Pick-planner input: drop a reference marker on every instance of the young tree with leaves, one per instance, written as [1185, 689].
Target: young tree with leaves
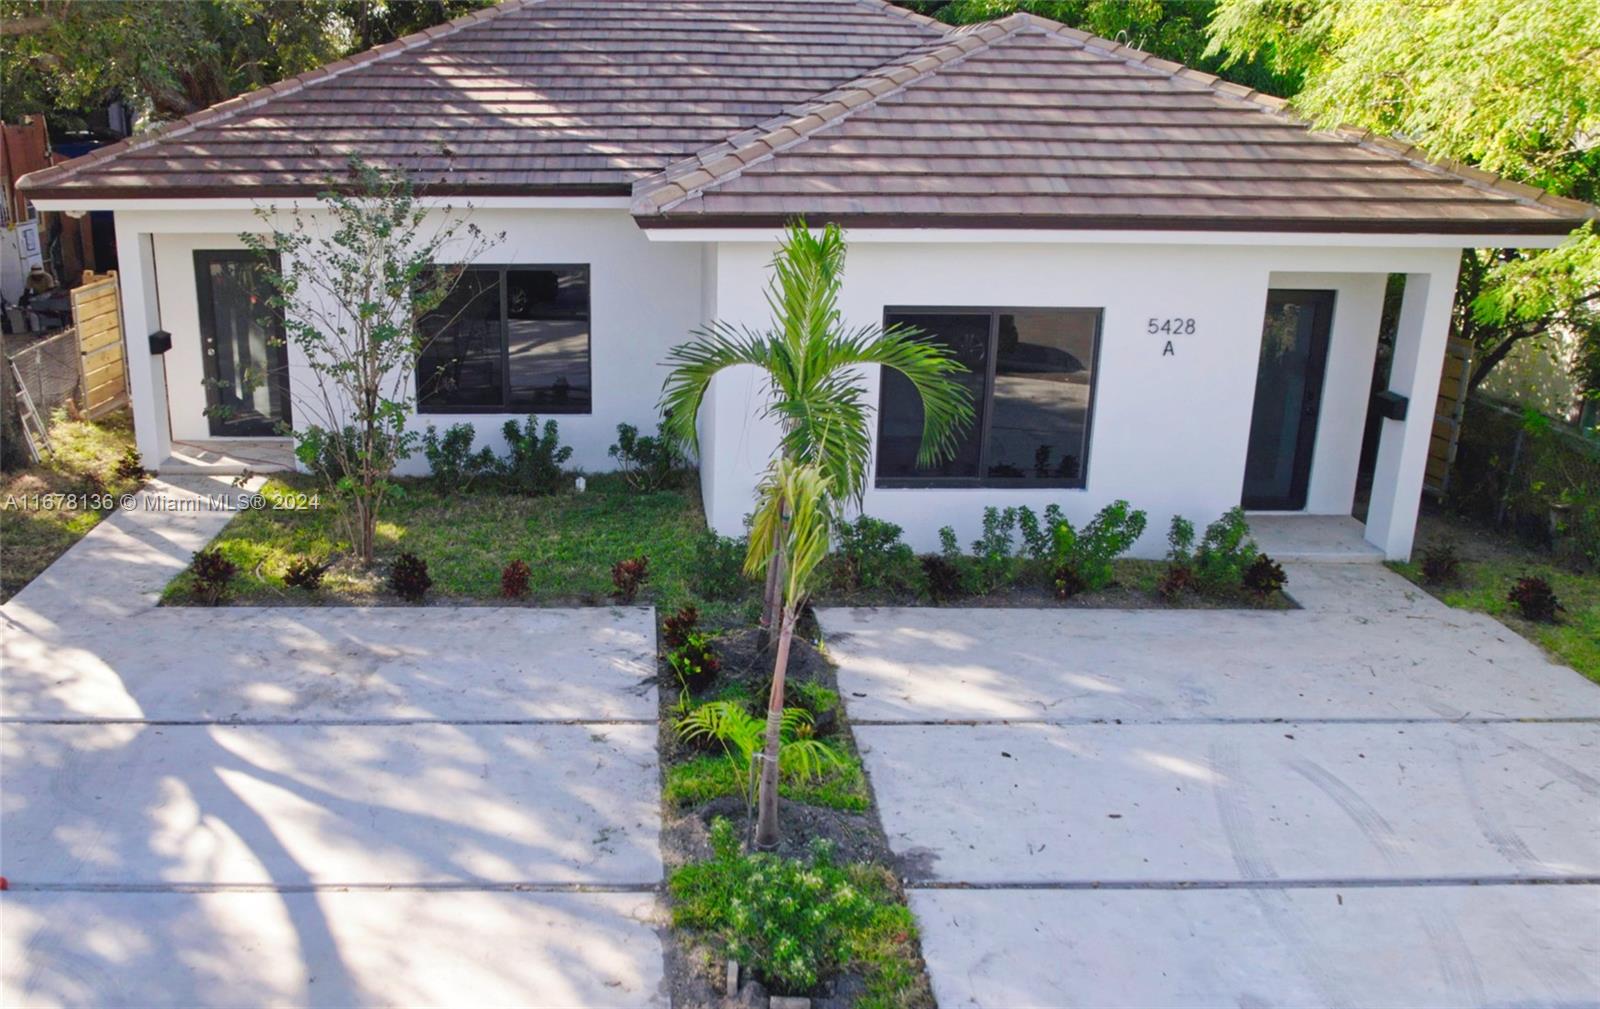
[812, 363]
[793, 528]
[352, 279]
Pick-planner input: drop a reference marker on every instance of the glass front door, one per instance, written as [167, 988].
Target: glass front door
[1283, 428]
[241, 336]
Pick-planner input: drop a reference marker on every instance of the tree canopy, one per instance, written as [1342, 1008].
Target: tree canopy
[68, 58]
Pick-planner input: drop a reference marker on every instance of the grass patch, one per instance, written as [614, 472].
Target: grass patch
[48, 507]
[570, 541]
[1482, 587]
[706, 777]
[795, 922]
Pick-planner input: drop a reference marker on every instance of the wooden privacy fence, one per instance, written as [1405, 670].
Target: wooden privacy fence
[1447, 416]
[97, 317]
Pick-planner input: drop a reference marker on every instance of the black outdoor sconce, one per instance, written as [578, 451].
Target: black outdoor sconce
[160, 342]
[1391, 405]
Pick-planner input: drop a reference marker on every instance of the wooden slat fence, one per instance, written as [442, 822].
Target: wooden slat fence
[97, 316]
[1447, 415]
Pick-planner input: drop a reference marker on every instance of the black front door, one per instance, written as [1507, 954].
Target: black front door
[241, 336]
[1283, 428]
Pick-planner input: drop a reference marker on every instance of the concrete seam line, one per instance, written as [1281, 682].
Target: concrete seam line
[1265, 884]
[975, 722]
[18, 886]
[287, 722]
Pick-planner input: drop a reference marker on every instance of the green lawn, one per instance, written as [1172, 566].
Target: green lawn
[1483, 585]
[46, 508]
[570, 541]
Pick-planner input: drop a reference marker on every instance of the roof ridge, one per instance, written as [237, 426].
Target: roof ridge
[252, 99]
[1367, 140]
[683, 179]
[886, 7]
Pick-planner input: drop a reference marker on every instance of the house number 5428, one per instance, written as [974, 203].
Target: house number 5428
[1170, 327]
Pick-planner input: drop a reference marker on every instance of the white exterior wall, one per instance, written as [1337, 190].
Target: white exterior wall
[644, 298]
[1169, 433]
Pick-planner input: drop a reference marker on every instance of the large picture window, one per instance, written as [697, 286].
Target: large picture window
[508, 339]
[1031, 373]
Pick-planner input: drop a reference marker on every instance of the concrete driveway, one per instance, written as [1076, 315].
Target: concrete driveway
[1371, 801]
[331, 807]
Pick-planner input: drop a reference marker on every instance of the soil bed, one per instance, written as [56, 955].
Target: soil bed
[695, 971]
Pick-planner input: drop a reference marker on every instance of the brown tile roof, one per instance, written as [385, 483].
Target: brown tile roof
[1026, 123]
[532, 96]
[746, 112]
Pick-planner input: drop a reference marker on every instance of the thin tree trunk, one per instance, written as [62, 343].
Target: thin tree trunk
[771, 597]
[767, 797]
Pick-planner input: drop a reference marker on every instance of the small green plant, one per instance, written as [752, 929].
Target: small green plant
[647, 462]
[628, 576]
[1441, 565]
[1082, 561]
[817, 698]
[1535, 600]
[408, 578]
[514, 578]
[304, 573]
[533, 466]
[872, 558]
[994, 559]
[1264, 577]
[1179, 576]
[212, 576]
[719, 567]
[694, 661]
[676, 628]
[1225, 552]
[451, 460]
[742, 737]
[793, 922]
[130, 466]
[1037, 539]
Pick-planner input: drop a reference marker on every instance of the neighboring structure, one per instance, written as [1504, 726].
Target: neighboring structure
[1166, 289]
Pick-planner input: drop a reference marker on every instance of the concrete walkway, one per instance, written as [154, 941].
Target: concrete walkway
[330, 807]
[1371, 801]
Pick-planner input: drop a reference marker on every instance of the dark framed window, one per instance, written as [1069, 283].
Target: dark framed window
[1031, 372]
[508, 339]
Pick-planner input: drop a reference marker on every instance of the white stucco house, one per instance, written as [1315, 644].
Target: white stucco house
[1167, 289]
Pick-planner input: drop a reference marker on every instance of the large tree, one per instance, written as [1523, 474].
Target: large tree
[1509, 85]
[68, 58]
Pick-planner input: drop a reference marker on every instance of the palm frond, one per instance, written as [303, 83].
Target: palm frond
[806, 759]
[946, 404]
[694, 364]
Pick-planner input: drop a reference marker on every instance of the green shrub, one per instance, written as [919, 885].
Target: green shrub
[533, 465]
[650, 462]
[694, 661]
[1081, 561]
[793, 922]
[1038, 540]
[451, 461]
[873, 559]
[1179, 576]
[719, 567]
[1225, 553]
[994, 558]
[409, 579]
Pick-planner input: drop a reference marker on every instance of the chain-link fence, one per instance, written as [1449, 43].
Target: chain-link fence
[49, 368]
[1521, 471]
